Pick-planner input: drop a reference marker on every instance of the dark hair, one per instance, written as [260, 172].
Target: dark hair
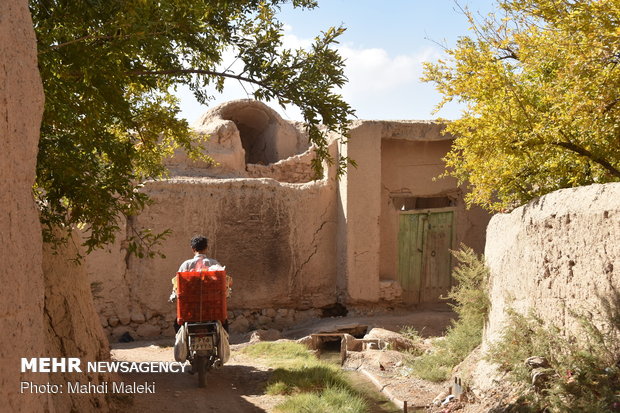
[199, 243]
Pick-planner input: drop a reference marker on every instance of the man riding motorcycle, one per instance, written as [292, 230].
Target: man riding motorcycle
[204, 342]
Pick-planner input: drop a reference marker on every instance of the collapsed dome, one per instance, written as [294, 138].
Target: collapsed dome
[260, 129]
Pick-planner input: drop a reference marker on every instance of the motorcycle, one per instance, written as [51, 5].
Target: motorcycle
[201, 309]
[206, 343]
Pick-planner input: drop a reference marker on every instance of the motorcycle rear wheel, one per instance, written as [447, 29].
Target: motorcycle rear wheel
[202, 367]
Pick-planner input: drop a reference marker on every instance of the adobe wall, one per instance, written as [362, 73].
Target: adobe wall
[359, 192]
[277, 241]
[394, 158]
[409, 168]
[295, 169]
[246, 138]
[557, 254]
[72, 328]
[293, 245]
[270, 224]
[21, 307]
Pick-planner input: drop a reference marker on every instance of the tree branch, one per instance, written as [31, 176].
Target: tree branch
[99, 37]
[200, 72]
[584, 152]
[510, 54]
[609, 106]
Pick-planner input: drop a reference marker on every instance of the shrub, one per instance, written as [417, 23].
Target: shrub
[471, 303]
[412, 334]
[584, 368]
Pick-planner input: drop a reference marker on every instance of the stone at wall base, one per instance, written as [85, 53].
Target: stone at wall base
[148, 330]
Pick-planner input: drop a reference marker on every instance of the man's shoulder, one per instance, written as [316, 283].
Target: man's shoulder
[186, 265]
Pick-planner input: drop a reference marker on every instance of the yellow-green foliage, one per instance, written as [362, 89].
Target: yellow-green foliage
[471, 303]
[541, 81]
[460, 340]
[313, 385]
[585, 372]
[470, 294]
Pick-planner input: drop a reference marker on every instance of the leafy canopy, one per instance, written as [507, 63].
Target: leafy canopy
[541, 86]
[109, 68]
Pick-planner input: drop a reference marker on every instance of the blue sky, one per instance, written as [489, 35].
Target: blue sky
[384, 45]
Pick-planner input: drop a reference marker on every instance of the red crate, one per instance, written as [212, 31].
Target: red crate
[201, 296]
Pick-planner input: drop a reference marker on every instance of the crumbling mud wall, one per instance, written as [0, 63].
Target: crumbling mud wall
[246, 138]
[398, 163]
[72, 328]
[295, 169]
[21, 307]
[295, 246]
[277, 241]
[266, 219]
[556, 255]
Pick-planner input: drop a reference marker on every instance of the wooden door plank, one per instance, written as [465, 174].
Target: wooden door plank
[409, 257]
[403, 256]
[437, 257]
[417, 252]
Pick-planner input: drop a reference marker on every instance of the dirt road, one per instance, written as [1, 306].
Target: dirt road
[236, 387]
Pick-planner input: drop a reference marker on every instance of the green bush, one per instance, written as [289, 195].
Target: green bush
[471, 303]
[585, 373]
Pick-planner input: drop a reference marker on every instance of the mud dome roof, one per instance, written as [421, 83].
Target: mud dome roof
[265, 137]
[248, 139]
[248, 110]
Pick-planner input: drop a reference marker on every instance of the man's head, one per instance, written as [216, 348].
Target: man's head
[199, 243]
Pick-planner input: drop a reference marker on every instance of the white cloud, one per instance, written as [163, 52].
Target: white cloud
[380, 85]
[383, 86]
[291, 41]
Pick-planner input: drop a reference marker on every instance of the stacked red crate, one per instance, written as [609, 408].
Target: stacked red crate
[201, 296]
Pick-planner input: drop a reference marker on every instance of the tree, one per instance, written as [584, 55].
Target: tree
[109, 68]
[541, 86]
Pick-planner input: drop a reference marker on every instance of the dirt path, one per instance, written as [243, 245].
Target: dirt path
[236, 387]
[429, 323]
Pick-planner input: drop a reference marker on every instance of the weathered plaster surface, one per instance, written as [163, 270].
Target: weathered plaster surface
[21, 307]
[275, 239]
[556, 255]
[72, 328]
[360, 194]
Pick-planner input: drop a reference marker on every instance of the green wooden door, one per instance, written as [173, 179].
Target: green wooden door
[424, 260]
[410, 250]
